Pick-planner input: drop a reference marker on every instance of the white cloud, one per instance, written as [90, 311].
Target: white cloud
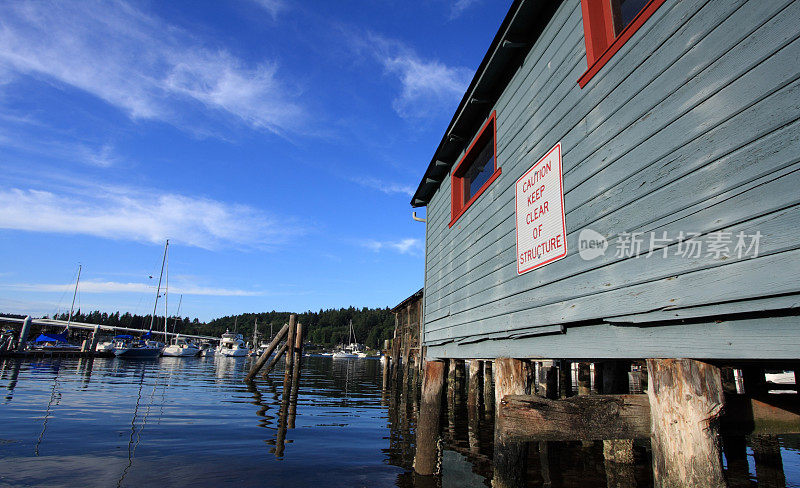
[140, 64]
[428, 87]
[409, 245]
[384, 186]
[141, 215]
[274, 7]
[460, 6]
[117, 287]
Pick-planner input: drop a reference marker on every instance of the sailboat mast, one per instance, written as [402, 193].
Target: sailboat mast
[166, 292]
[158, 290]
[177, 315]
[74, 295]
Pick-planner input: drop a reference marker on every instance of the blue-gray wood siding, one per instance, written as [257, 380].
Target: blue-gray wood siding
[693, 126]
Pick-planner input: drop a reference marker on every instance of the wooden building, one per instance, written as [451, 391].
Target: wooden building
[620, 182]
[407, 319]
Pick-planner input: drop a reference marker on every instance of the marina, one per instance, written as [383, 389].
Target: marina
[606, 268]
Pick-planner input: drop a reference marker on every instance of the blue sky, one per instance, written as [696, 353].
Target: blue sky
[275, 143]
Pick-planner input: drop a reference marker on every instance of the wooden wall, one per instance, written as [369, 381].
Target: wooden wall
[692, 126]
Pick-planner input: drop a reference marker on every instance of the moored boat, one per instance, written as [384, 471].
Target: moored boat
[232, 345]
[181, 347]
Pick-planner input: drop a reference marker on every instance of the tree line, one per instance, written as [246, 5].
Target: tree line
[326, 327]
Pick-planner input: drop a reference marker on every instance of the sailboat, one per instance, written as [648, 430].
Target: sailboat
[58, 342]
[128, 347]
[351, 350]
[180, 346]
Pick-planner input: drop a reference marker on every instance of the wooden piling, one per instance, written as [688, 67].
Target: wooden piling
[686, 401]
[266, 354]
[24, 332]
[287, 363]
[728, 380]
[274, 361]
[548, 381]
[296, 362]
[488, 388]
[584, 379]
[511, 378]
[474, 386]
[564, 379]
[387, 359]
[427, 453]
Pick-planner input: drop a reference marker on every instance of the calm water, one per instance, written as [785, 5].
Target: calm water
[192, 422]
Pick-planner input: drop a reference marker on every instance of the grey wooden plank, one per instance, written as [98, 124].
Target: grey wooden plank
[735, 170]
[745, 89]
[620, 274]
[701, 47]
[687, 289]
[769, 304]
[761, 338]
[744, 128]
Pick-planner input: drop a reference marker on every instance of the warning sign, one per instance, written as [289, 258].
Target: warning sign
[541, 227]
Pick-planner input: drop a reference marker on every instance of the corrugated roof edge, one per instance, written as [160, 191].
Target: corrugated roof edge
[513, 41]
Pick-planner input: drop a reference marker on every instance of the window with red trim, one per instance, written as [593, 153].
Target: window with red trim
[607, 25]
[476, 170]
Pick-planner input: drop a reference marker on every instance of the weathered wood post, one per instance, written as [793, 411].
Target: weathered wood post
[617, 453]
[548, 380]
[95, 339]
[473, 403]
[728, 380]
[274, 361]
[584, 379]
[511, 378]
[396, 361]
[268, 351]
[474, 386]
[488, 388]
[458, 373]
[427, 454]
[24, 332]
[287, 363]
[685, 404]
[387, 359]
[296, 362]
[564, 378]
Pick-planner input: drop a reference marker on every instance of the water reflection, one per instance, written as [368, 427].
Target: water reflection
[180, 422]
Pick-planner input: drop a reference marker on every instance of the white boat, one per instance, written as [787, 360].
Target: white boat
[232, 345]
[351, 350]
[104, 348]
[181, 347]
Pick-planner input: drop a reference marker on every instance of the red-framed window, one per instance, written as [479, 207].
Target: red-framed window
[476, 170]
[607, 25]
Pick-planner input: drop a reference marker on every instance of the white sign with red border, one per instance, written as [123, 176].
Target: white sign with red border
[541, 226]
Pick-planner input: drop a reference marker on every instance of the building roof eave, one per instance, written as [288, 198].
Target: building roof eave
[519, 30]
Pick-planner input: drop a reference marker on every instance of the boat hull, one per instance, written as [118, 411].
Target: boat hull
[138, 353]
[180, 352]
